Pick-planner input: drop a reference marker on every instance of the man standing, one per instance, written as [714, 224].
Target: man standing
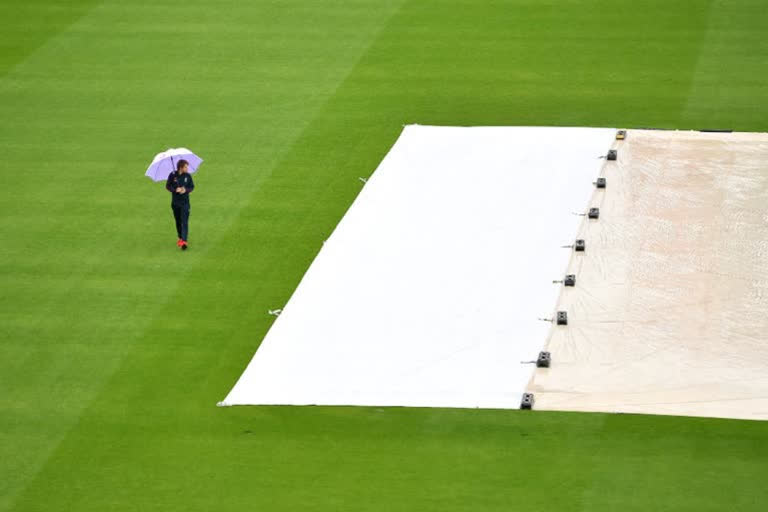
[180, 185]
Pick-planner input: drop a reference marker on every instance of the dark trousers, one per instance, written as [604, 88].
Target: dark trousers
[181, 214]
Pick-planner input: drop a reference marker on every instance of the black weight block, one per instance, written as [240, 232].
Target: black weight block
[527, 401]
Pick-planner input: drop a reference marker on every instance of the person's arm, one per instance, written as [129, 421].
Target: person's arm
[169, 184]
[191, 186]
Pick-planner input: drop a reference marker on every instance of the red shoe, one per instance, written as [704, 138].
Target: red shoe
[183, 245]
[178, 243]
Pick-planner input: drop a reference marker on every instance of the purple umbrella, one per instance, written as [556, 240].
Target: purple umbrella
[165, 163]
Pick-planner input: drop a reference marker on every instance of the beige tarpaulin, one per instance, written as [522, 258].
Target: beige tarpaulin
[669, 314]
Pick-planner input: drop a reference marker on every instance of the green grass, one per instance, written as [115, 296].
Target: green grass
[114, 346]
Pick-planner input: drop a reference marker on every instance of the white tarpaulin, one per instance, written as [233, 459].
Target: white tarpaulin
[669, 314]
[430, 290]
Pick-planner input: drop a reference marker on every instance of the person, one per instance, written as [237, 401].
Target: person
[180, 185]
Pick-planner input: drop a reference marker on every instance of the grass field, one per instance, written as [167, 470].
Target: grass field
[115, 346]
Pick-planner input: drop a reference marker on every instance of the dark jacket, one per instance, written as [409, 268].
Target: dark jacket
[175, 180]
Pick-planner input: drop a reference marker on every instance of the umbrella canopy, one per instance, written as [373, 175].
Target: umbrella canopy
[165, 163]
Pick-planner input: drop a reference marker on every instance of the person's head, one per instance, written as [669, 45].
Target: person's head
[182, 166]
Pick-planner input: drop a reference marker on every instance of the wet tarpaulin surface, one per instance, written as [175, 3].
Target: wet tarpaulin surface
[670, 311]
